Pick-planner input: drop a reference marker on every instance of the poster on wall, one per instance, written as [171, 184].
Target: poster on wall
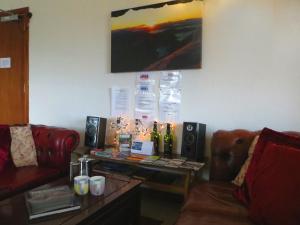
[162, 36]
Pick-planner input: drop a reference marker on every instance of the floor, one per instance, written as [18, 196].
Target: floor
[160, 206]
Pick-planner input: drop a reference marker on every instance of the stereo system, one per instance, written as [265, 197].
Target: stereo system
[95, 132]
[193, 141]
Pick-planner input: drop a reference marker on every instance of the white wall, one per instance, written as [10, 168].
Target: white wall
[250, 76]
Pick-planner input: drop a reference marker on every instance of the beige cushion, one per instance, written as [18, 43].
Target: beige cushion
[22, 148]
[239, 179]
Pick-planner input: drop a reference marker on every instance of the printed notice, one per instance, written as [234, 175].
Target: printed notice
[170, 96]
[169, 105]
[5, 63]
[145, 98]
[145, 106]
[119, 101]
[170, 80]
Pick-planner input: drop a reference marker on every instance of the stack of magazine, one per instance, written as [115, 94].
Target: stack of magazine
[51, 201]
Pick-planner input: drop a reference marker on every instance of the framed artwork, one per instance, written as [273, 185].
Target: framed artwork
[162, 36]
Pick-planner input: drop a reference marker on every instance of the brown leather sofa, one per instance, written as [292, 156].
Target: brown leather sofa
[212, 202]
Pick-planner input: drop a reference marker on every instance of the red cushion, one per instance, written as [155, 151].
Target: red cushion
[3, 158]
[244, 193]
[276, 196]
[5, 141]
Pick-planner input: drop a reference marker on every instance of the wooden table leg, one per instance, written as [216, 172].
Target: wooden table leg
[187, 184]
[137, 208]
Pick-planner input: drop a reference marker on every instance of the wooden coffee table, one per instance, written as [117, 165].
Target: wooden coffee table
[182, 185]
[120, 204]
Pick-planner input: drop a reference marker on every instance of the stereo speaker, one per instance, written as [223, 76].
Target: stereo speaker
[193, 141]
[95, 132]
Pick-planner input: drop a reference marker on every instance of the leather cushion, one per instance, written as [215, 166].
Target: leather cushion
[276, 195]
[245, 192]
[5, 141]
[213, 203]
[17, 179]
[3, 158]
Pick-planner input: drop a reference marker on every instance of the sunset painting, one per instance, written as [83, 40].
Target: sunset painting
[163, 36]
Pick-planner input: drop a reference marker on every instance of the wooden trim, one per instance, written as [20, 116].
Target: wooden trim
[26, 64]
[20, 11]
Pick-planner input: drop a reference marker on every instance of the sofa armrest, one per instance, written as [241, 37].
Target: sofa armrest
[54, 146]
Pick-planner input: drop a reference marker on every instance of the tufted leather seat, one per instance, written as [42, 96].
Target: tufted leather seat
[54, 147]
[212, 204]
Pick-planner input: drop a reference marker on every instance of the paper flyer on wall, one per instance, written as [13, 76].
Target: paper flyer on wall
[169, 112]
[145, 106]
[145, 83]
[170, 80]
[170, 96]
[119, 101]
[145, 98]
[169, 105]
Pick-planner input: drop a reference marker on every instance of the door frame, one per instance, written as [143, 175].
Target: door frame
[26, 15]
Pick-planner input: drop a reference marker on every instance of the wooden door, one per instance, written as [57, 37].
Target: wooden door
[14, 35]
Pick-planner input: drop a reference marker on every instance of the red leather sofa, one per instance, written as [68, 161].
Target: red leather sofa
[54, 146]
[212, 202]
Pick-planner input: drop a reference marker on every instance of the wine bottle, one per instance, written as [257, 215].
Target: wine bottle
[168, 142]
[155, 138]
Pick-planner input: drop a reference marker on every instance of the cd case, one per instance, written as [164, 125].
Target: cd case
[45, 202]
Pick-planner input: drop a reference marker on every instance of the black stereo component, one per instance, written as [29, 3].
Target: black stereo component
[193, 141]
[95, 132]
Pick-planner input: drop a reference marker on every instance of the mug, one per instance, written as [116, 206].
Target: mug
[97, 185]
[81, 185]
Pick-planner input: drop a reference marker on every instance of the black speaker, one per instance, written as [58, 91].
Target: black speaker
[95, 132]
[193, 141]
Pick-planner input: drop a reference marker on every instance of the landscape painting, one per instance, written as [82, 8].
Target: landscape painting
[162, 36]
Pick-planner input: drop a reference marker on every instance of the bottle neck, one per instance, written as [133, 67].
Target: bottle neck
[168, 129]
[155, 127]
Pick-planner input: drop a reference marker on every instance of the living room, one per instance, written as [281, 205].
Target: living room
[248, 80]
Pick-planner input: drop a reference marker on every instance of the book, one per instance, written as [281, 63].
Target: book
[161, 162]
[150, 159]
[175, 163]
[103, 154]
[57, 211]
[136, 157]
[44, 202]
[196, 166]
[94, 151]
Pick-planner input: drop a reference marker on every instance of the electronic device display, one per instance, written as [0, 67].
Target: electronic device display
[142, 147]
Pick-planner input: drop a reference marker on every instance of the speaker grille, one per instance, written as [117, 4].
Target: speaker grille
[95, 132]
[193, 141]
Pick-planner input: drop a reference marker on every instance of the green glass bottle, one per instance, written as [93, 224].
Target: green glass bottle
[168, 142]
[155, 138]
